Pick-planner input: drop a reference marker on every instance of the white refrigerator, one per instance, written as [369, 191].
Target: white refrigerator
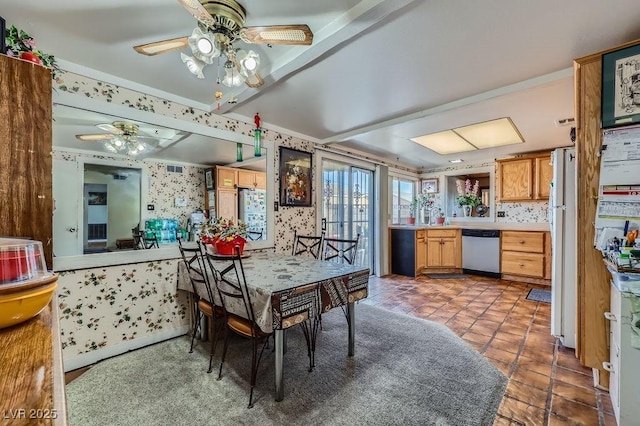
[252, 210]
[563, 222]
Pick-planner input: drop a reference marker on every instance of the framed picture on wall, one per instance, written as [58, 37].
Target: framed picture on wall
[430, 185]
[295, 177]
[621, 87]
[208, 179]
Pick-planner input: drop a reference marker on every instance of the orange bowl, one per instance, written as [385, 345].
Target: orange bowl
[21, 306]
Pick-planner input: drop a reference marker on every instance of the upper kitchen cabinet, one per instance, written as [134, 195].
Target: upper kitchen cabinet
[226, 178]
[252, 179]
[524, 178]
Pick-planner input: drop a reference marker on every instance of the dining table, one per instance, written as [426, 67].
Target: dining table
[286, 290]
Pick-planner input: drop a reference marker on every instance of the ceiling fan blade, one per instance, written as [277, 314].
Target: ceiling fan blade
[199, 12]
[254, 81]
[164, 46]
[278, 34]
[95, 137]
[108, 127]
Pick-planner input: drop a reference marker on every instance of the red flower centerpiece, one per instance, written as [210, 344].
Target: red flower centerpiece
[224, 235]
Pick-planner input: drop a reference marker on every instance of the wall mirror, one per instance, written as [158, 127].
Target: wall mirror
[102, 193]
[485, 178]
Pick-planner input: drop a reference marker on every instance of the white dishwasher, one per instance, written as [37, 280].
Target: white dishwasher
[481, 252]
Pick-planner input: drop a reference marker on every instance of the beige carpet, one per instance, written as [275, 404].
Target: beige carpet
[406, 372]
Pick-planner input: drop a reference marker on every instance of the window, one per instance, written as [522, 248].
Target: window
[402, 192]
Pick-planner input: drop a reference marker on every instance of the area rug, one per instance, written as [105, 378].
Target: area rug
[446, 275]
[539, 295]
[405, 371]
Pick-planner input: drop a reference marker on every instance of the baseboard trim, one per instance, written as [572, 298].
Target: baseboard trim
[482, 273]
[523, 279]
[89, 358]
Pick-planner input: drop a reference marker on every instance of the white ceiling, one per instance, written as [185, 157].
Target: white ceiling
[378, 73]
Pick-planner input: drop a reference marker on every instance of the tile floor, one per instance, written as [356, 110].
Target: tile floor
[547, 384]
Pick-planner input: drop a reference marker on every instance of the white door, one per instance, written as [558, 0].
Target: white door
[65, 214]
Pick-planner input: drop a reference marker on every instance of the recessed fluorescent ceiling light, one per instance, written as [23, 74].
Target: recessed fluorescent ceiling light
[459, 160]
[488, 134]
[446, 142]
[491, 133]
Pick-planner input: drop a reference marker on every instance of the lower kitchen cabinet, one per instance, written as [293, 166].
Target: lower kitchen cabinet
[444, 248]
[526, 256]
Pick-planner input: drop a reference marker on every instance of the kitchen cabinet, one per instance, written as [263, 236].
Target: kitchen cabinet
[524, 178]
[26, 164]
[421, 250]
[227, 203]
[444, 248]
[226, 178]
[252, 179]
[526, 256]
[624, 360]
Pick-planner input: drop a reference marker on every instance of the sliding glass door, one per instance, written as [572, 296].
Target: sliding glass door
[347, 206]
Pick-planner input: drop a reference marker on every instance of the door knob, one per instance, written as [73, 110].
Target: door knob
[72, 229]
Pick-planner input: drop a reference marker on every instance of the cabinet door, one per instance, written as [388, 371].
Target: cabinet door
[516, 180]
[225, 178]
[227, 204]
[261, 180]
[544, 175]
[421, 253]
[246, 179]
[434, 253]
[448, 253]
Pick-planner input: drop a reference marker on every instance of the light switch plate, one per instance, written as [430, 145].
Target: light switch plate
[180, 202]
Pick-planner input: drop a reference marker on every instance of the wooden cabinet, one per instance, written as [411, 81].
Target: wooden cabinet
[252, 179]
[526, 255]
[226, 178]
[421, 250]
[444, 248]
[524, 178]
[227, 203]
[26, 163]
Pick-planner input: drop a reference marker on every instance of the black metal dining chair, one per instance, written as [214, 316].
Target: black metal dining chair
[255, 235]
[204, 303]
[308, 245]
[231, 285]
[341, 250]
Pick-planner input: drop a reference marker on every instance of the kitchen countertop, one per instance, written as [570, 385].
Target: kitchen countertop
[501, 226]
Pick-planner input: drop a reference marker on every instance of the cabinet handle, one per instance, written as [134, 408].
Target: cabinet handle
[608, 366]
[522, 265]
[610, 316]
[521, 241]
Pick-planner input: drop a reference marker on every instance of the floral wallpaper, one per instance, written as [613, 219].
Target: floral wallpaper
[106, 306]
[102, 307]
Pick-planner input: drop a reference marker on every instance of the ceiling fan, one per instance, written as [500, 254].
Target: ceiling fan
[122, 137]
[220, 25]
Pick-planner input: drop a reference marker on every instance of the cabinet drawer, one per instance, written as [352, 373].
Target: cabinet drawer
[530, 242]
[529, 264]
[439, 233]
[421, 233]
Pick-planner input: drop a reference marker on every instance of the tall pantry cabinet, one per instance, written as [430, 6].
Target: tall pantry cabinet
[26, 143]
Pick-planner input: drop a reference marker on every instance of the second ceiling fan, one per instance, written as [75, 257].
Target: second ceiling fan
[220, 25]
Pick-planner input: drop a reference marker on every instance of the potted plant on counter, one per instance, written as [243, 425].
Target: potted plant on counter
[413, 208]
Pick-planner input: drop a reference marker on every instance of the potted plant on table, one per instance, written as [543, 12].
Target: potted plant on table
[224, 235]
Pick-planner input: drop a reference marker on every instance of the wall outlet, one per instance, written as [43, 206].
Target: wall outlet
[501, 214]
[150, 207]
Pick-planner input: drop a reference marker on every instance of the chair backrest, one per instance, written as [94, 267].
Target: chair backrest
[196, 267]
[307, 245]
[231, 285]
[255, 235]
[340, 250]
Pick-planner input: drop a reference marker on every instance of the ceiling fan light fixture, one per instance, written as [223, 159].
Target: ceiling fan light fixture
[194, 65]
[203, 45]
[232, 78]
[248, 61]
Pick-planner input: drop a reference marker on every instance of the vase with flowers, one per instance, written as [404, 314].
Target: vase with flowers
[21, 45]
[224, 235]
[467, 197]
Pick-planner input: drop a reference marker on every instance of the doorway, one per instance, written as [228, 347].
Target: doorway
[348, 206]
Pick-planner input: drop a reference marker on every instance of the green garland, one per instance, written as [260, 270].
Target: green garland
[18, 42]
